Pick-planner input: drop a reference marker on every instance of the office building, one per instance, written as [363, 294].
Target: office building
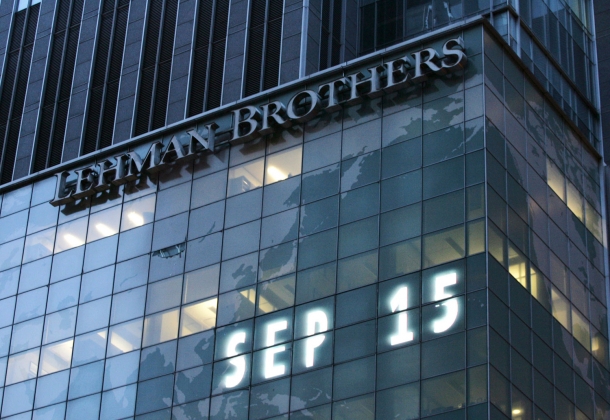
[327, 209]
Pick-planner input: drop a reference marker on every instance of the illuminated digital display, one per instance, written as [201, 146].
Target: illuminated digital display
[314, 322]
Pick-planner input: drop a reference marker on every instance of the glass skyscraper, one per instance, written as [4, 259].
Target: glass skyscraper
[316, 209]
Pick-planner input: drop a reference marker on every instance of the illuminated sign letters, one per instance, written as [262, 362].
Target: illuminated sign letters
[250, 122]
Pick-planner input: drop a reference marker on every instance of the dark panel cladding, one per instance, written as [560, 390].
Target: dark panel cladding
[156, 66]
[53, 120]
[200, 58]
[10, 133]
[217, 62]
[101, 110]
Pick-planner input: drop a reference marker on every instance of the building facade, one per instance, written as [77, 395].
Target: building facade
[301, 210]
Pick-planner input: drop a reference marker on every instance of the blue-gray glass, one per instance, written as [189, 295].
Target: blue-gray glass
[158, 360]
[433, 316]
[277, 261]
[402, 402]
[401, 190]
[401, 126]
[443, 112]
[195, 350]
[443, 177]
[164, 294]
[170, 231]
[119, 402]
[135, 242]
[224, 368]
[316, 283]
[35, 274]
[323, 354]
[398, 367]
[311, 389]
[196, 409]
[18, 398]
[96, 284]
[154, 394]
[100, 253]
[204, 251]
[7, 310]
[67, 264]
[89, 347]
[279, 228]
[243, 208]
[206, 220]
[400, 224]
[235, 306]
[13, 226]
[31, 304]
[86, 379]
[209, 189]
[9, 281]
[281, 196]
[401, 158]
[239, 272]
[262, 324]
[128, 305]
[392, 326]
[193, 384]
[444, 211]
[355, 341]
[173, 200]
[121, 370]
[358, 237]
[282, 356]
[86, 408]
[359, 203]
[16, 200]
[131, 273]
[63, 294]
[54, 412]
[444, 355]
[27, 335]
[360, 171]
[233, 406]
[269, 399]
[322, 152]
[320, 183]
[52, 389]
[93, 315]
[223, 337]
[356, 305]
[443, 144]
[319, 216]
[353, 378]
[241, 240]
[317, 249]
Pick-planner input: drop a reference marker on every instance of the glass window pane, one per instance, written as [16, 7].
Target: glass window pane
[39, 245]
[71, 234]
[55, 357]
[399, 259]
[198, 317]
[22, 366]
[354, 378]
[245, 177]
[59, 325]
[444, 393]
[27, 335]
[316, 283]
[444, 246]
[401, 402]
[103, 224]
[63, 294]
[138, 212]
[275, 295]
[283, 165]
[164, 294]
[160, 327]
[89, 347]
[13, 227]
[201, 283]
[125, 337]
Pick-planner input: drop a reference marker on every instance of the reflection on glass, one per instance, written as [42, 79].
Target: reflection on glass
[575, 201]
[89, 347]
[55, 357]
[275, 295]
[160, 327]
[283, 165]
[517, 265]
[442, 247]
[555, 179]
[22, 366]
[71, 234]
[39, 245]
[561, 309]
[245, 177]
[138, 212]
[104, 223]
[580, 329]
[124, 337]
[198, 317]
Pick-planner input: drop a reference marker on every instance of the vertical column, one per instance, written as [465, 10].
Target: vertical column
[236, 41]
[33, 97]
[83, 72]
[350, 30]
[314, 34]
[291, 41]
[6, 12]
[181, 62]
[130, 71]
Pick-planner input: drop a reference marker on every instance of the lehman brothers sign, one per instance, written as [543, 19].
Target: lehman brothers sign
[250, 122]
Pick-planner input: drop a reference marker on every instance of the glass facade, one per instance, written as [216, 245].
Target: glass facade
[436, 252]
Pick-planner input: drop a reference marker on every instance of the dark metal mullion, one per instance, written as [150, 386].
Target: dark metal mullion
[261, 85]
[58, 87]
[151, 111]
[13, 90]
[208, 63]
[98, 137]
